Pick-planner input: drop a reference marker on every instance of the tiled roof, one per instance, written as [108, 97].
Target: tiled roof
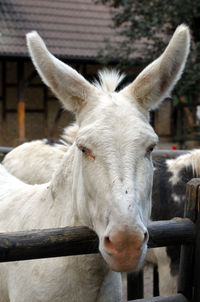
[70, 28]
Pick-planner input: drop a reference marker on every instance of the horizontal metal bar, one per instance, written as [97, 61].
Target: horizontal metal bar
[5, 149]
[186, 137]
[171, 298]
[168, 153]
[81, 240]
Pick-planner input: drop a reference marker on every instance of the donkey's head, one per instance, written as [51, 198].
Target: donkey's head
[112, 168]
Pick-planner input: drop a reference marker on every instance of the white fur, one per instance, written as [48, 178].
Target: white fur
[35, 162]
[164, 79]
[108, 190]
[167, 282]
[186, 160]
[109, 80]
[69, 134]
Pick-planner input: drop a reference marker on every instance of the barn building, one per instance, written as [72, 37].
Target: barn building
[75, 31]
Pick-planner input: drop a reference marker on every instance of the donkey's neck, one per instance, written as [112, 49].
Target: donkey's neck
[61, 189]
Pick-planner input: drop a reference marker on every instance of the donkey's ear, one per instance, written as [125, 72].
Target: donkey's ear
[68, 85]
[157, 80]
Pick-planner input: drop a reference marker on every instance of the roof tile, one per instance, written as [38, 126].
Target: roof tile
[72, 28]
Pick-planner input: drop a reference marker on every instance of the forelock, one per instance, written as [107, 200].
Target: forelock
[108, 80]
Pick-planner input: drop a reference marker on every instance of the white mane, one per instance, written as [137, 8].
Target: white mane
[192, 159]
[69, 134]
[108, 80]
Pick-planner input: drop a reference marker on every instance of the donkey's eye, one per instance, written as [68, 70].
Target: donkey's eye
[84, 150]
[149, 150]
[87, 152]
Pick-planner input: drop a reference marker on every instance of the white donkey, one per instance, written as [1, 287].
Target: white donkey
[104, 181]
[35, 162]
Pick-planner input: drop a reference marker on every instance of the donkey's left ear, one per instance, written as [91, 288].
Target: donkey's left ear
[157, 80]
[68, 85]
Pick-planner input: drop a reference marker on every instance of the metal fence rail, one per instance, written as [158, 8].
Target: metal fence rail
[5, 150]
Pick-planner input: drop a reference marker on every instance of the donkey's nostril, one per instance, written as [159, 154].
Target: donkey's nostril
[108, 244]
[107, 239]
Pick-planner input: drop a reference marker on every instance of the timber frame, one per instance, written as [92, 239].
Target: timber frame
[24, 82]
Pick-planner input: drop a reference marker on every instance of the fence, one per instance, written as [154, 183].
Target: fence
[80, 240]
[4, 151]
[189, 273]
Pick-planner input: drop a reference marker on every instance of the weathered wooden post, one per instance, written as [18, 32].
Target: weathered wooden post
[187, 285]
[3, 110]
[155, 281]
[196, 263]
[135, 285]
[21, 120]
[21, 104]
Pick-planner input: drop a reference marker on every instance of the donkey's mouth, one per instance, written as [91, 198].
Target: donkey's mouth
[128, 260]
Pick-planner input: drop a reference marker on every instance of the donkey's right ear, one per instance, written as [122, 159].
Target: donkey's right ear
[69, 86]
[157, 80]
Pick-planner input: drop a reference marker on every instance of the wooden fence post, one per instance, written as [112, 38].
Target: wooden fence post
[155, 281]
[196, 263]
[185, 283]
[135, 285]
[21, 120]
[21, 104]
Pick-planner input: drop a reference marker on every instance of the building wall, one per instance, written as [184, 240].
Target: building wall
[162, 123]
[35, 126]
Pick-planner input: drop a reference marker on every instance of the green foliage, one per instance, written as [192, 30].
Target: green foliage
[154, 22]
